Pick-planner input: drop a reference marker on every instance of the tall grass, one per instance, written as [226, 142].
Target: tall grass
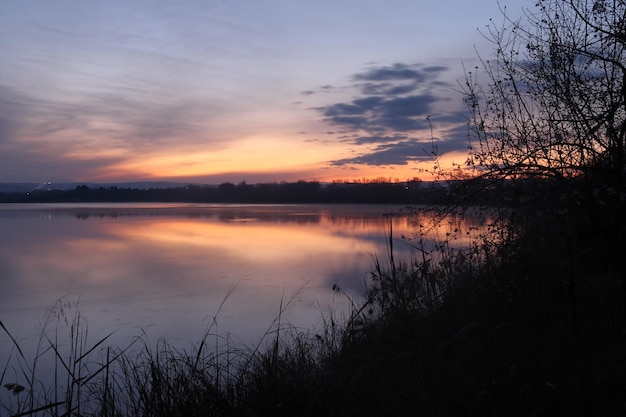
[57, 380]
[68, 376]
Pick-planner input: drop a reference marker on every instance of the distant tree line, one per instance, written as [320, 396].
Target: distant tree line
[263, 193]
[414, 192]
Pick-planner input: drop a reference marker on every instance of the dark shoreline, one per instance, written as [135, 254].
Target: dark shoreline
[302, 192]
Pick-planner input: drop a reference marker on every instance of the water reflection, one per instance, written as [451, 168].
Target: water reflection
[165, 269]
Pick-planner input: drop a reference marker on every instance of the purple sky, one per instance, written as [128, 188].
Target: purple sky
[213, 91]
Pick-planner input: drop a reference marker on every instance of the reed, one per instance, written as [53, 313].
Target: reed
[58, 379]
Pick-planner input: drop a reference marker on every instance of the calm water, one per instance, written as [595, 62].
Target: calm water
[164, 269]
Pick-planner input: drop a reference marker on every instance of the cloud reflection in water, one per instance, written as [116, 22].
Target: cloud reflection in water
[167, 268]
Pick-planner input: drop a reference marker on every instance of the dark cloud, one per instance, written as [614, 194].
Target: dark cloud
[395, 98]
[356, 107]
[388, 89]
[351, 121]
[396, 104]
[380, 114]
[397, 79]
[361, 140]
[400, 153]
[400, 123]
[455, 137]
[395, 72]
[435, 69]
[408, 106]
[391, 151]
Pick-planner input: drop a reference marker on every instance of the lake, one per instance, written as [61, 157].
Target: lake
[165, 269]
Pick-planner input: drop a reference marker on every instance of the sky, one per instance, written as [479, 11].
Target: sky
[212, 91]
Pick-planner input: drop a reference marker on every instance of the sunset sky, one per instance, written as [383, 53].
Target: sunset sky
[214, 91]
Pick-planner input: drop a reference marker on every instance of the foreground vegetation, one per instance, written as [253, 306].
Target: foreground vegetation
[528, 319]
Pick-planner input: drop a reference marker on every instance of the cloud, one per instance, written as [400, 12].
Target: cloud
[397, 71]
[150, 123]
[11, 111]
[397, 79]
[395, 105]
[134, 121]
[356, 107]
[435, 69]
[376, 113]
[388, 89]
[361, 140]
[66, 135]
[395, 98]
[400, 153]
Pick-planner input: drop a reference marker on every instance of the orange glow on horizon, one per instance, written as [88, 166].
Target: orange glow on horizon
[212, 171]
[254, 159]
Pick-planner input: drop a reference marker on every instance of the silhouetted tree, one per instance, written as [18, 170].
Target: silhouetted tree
[554, 103]
[550, 103]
